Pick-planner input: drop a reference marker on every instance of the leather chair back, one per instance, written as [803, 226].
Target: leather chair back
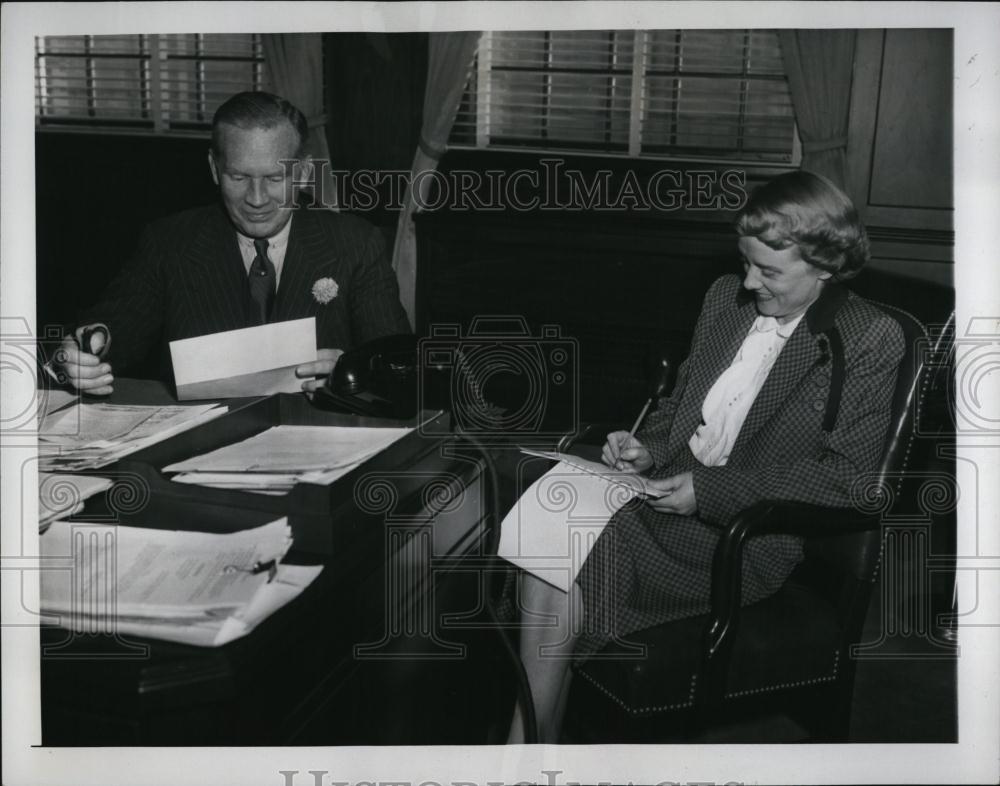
[831, 560]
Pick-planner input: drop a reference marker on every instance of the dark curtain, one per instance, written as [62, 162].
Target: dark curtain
[820, 65]
[294, 63]
[450, 59]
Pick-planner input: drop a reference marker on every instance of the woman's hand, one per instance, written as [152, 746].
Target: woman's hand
[625, 453]
[678, 496]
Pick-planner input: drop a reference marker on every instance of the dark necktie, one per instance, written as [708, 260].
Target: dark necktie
[262, 280]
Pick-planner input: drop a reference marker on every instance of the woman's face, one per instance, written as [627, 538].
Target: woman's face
[782, 282]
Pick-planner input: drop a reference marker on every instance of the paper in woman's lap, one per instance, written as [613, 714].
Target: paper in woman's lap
[554, 525]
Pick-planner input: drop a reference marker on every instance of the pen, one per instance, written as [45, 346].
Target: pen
[635, 427]
[663, 384]
[638, 420]
[664, 381]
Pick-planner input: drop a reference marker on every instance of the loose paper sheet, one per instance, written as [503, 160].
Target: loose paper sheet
[55, 398]
[283, 449]
[63, 495]
[254, 361]
[88, 436]
[101, 422]
[630, 480]
[554, 525]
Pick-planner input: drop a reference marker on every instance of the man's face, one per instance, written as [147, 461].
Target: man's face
[782, 282]
[256, 187]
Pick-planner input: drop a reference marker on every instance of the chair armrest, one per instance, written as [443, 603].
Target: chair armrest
[765, 518]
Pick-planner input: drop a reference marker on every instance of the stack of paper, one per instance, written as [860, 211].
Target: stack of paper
[194, 587]
[89, 436]
[55, 398]
[64, 495]
[274, 460]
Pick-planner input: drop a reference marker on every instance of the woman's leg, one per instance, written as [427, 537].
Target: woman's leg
[546, 650]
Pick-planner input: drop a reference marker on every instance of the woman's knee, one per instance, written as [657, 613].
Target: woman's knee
[541, 597]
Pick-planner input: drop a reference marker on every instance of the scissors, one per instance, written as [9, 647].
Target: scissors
[94, 340]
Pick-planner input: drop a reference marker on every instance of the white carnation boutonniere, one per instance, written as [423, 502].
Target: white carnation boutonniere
[325, 290]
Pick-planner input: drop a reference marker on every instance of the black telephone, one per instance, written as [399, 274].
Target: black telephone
[378, 379]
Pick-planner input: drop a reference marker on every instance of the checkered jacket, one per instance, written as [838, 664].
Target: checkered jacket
[188, 279]
[649, 567]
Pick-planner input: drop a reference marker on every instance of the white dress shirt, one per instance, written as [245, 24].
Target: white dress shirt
[730, 398]
[276, 248]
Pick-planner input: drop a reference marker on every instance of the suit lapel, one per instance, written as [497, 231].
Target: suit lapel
[722, 342]
[795, 359]
[299, 272]
[214, 257]
[801, 352]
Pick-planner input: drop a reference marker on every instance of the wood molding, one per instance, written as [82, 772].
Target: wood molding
[873, 77]
[902, 244]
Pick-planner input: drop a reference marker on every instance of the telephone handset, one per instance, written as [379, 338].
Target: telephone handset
[378, 379]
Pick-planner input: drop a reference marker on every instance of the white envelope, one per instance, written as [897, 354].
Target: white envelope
[254, 361]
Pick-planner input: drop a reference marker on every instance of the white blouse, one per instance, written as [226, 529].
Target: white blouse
[730, 398]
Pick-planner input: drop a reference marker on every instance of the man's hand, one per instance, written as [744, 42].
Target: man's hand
[625, 453]
[322, 367]
[85, 372]
[679, 497]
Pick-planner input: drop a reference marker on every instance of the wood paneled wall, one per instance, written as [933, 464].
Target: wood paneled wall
[622, 290]
[900, 138]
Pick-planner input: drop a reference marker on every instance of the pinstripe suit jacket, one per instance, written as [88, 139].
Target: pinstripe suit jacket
[649, 567]
[187, 279]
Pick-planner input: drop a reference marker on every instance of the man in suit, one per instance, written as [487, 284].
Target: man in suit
[251, 259]
[785, 395]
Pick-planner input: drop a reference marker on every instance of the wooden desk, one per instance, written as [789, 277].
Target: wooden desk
[366, 655]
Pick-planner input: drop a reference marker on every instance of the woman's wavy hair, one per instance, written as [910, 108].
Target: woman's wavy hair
[806, 210]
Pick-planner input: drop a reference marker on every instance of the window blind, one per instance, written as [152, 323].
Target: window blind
[662, 93]
[158, 82]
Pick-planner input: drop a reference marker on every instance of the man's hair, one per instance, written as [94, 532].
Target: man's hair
[806, 210]
[257, 109]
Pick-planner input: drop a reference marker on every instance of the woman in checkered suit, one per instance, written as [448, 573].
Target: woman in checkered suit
[749, 420]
